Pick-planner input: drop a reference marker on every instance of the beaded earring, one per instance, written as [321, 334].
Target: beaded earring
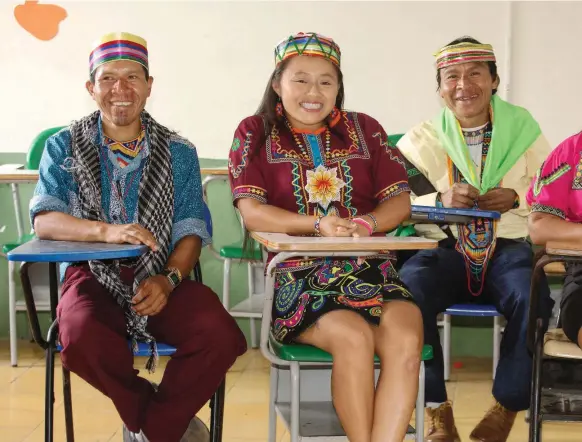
[279, 108]
[334, 117]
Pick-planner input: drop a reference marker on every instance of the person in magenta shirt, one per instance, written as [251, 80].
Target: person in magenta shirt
[555, 197]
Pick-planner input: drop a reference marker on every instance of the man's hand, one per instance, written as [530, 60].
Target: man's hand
[152, 295]
[498, 200]
[460, 196]
[335, 226]
[130, 233]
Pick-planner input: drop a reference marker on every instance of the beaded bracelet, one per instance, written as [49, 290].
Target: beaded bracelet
[364, 223]
[374, 220]
[316, 225]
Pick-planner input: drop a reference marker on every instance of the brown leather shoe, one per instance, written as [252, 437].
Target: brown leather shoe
[495, 426]
[442, 424]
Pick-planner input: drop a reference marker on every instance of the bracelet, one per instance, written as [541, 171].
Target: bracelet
[516, 201]
[374, 220]
[316, 225]
[364, 223]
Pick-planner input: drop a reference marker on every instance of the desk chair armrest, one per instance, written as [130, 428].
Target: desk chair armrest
[552, 253]
[30, 304]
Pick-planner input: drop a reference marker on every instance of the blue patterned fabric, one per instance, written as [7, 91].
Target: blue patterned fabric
[56, 189]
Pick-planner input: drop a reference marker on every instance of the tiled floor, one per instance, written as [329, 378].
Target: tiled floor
[246, 410]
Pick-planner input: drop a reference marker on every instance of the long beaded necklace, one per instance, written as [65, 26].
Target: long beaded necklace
[322, 184]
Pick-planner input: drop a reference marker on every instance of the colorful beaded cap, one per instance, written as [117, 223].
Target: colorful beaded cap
[463, 53]
[118, 46]
[308, 43]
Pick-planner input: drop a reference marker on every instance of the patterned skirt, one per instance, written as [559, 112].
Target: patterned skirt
[307, 289]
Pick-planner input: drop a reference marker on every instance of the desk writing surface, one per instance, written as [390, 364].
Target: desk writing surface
[429, 214]
[566, 249]
[214, 171]
[38, 250]
[281, 242]
[18, 176]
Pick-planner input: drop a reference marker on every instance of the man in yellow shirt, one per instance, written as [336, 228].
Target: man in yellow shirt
[479, 152]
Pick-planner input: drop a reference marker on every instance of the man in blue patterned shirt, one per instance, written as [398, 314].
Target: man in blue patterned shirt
[118, 176]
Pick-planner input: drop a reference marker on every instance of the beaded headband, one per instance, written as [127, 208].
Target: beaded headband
[463, 53]
[308, 43]
[118, 46]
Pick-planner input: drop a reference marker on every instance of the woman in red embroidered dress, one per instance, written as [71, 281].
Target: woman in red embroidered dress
[302, 166]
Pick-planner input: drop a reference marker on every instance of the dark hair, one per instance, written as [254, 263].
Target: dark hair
[492, 65]
[270, 98]
[147, 75]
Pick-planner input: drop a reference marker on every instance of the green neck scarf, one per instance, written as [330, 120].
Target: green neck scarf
[514, 131]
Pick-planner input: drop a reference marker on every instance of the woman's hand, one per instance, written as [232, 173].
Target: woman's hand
[335, 226]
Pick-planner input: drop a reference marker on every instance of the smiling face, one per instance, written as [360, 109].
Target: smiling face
[120, 91]
[308, 89]
[466, 89]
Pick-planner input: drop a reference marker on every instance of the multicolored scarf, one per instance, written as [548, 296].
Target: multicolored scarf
[478, 238]
[513, 131]
[155, 211]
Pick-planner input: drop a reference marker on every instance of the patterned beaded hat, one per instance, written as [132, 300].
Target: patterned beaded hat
[464, 52]
[308, 43]
[118, 46]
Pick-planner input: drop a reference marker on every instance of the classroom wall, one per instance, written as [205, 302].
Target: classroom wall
[211, 60]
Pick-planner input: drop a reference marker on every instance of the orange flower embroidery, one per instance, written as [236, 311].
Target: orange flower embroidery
[323, 186]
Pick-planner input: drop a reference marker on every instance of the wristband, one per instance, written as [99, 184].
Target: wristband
[364, 223]
[173, 275]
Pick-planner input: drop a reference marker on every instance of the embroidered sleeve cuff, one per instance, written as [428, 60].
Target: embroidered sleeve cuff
[548, 209]
[392, 191]
[191, 226]
[255, 192]
[46, 203]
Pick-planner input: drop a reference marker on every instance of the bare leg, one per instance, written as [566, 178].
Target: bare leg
[398, 341]
[350, 340]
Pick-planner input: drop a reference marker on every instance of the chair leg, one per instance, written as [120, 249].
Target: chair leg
[49, 406]
[274, 389]
[295, 401]
[12, 315]
[69, 428]
[535, 421]
[447, 346]
[226, 284]
[251, 284]
[217, 413]
[419, 413]
[496, 342]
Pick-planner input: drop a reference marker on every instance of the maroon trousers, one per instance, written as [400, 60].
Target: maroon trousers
[95, 347]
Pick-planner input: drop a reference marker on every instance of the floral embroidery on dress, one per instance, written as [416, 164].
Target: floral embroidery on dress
[323, 186]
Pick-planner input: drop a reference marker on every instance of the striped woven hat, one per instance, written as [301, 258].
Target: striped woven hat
[463, 53]
[118, 46]
[308, 43]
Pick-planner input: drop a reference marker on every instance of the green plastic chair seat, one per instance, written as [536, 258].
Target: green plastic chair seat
[308, 353]
[12, 245]
[236, 251]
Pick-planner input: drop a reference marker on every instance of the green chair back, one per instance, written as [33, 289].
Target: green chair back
[394, 138]
[37, 147]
